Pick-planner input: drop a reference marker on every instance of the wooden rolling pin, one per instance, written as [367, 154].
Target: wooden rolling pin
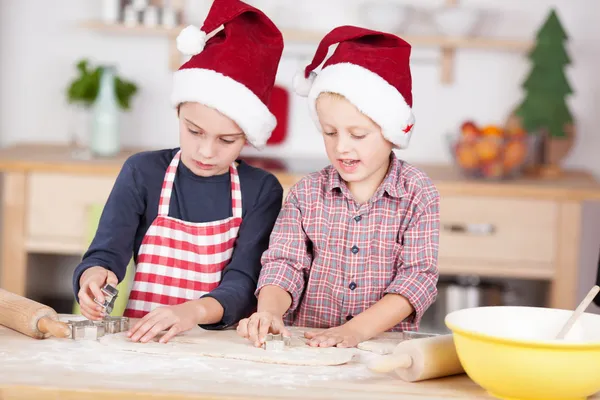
[420, 359]
[29, 317]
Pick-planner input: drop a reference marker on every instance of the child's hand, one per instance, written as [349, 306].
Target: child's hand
[90, 283]
[259, 324]
[177, 319]
[341, 336]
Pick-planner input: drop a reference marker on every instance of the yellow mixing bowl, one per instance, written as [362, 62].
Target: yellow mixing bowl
[511, 352]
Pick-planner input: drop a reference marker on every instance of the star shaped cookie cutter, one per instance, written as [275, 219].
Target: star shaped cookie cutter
[276, 342]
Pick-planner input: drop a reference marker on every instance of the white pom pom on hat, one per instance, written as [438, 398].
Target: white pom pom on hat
[303, 85]
[191, 40]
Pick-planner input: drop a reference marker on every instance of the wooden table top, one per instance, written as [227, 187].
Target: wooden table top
[53, 368]
[575, 185]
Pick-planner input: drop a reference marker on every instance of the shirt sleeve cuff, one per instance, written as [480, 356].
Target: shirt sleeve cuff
[231, 313]
[420, 291]
[291, 281]
[226, 320]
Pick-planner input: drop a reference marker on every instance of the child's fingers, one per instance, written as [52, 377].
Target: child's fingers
[153, 326]
[95, 289]
[159, 326]
[171, 333]
[133, 328]
[111, 279]
[320, 341]
[85, 300]
[86, 313]
[90, 311]
[86, 303]
[253, 329]
[314, 340]
[264, 326]
[330, 341]
[325, 339]
[310, 335]
[279, 327]
[91, 314]
[143, 326]
[242, 328]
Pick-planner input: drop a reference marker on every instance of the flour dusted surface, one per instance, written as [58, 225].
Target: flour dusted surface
[71, 363]
[227, 344]
[57, 368]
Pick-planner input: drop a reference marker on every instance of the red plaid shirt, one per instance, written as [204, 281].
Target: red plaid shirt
[337, 258]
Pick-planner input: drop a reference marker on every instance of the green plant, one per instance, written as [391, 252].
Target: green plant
[84, 88]
[544, 106]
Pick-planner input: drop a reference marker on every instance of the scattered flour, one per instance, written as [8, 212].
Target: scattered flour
[89, 363]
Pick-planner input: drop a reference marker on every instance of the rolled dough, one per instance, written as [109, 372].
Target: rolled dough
[227, 344]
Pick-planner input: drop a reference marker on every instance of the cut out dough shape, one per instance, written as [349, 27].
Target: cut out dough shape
[227, 344]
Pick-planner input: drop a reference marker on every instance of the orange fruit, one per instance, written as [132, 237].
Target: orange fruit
[492, 130]
[466, 156]
[513, 126]
[487, 149]
[516, 132]
[515, 152]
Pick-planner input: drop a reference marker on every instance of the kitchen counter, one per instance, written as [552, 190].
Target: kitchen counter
[573, 185]
[63, 368]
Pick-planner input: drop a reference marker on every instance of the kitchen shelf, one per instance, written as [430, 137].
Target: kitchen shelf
[447, 44]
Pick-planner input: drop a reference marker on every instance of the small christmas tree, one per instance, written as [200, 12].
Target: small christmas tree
[544, 106]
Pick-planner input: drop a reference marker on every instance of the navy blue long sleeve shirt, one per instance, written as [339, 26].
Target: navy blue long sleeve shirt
[132, 206]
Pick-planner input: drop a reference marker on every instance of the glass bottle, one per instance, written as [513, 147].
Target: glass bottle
[105, 141]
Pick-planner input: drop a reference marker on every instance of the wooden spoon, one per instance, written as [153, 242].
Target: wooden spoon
[578, 311]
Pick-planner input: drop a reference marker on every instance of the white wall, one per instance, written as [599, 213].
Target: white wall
[40, 42]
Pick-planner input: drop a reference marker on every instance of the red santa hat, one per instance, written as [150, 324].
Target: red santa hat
[234, 70]
[371, 70]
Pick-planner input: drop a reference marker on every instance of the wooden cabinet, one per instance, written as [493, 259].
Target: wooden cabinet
[526, 228]
[57, 205]
[494, 231]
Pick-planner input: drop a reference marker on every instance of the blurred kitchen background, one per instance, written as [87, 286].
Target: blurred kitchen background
[469, 63]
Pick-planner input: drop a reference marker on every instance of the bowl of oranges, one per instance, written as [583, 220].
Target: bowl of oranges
[491, 151]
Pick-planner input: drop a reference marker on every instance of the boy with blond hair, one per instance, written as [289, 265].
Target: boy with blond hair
[355, 247]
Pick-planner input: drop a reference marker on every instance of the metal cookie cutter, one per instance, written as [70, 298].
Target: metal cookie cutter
[93, 330]
[110, 295]
[86, 329]
[276, 342]
[115, 324]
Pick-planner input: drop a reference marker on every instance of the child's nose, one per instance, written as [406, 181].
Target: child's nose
[343, 145]
[206, 150]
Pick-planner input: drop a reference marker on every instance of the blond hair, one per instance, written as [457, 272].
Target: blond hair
[333, 95]
[338, 96]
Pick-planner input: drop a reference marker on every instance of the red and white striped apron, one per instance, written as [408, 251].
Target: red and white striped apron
[178, 260]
